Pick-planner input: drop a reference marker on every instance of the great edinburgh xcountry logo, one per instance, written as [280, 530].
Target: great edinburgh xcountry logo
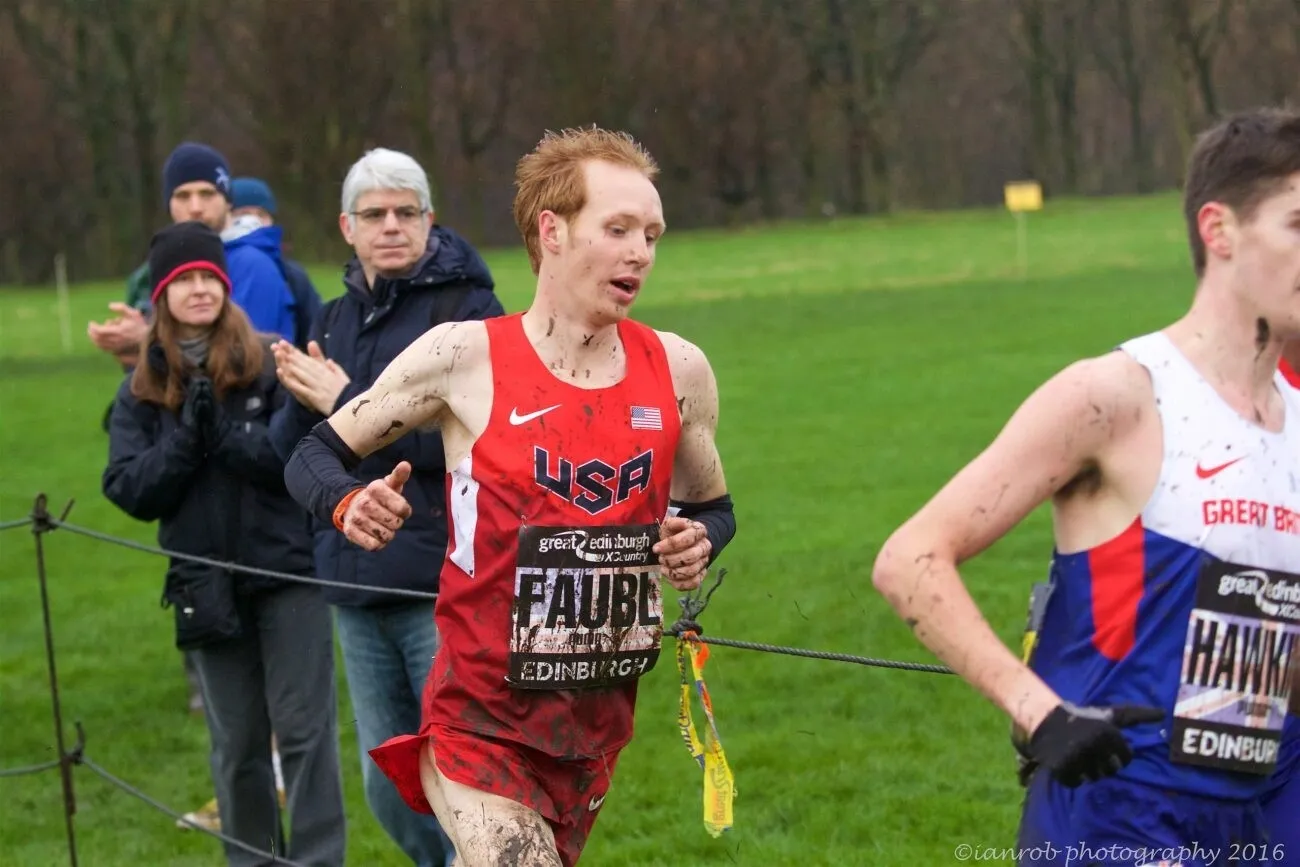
[1275, 598]
[607, 548]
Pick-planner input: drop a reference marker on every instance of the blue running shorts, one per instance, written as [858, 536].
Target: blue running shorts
[1118, 822]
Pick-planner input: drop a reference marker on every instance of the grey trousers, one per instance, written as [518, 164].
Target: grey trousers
[278, 676]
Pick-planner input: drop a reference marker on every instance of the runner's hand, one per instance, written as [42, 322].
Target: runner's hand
[1085, 744]
[683, 550]
[376, 514]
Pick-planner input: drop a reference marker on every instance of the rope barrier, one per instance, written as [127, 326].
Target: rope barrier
[42, 522]
[77, 756]
[696, 603]
[675, 631]
[231, 566]
[29, 769]
[133, 791]
[818, 654]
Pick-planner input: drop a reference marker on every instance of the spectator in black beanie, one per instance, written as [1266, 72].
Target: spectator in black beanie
[189, 448]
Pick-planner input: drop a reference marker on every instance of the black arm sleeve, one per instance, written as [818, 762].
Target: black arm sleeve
[318, 474]
[718, 518]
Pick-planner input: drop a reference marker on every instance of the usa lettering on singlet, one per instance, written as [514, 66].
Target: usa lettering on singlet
[588, 610]
[1236, 671]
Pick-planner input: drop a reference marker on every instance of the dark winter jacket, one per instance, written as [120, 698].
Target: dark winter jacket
[363, 331]
[226, 501]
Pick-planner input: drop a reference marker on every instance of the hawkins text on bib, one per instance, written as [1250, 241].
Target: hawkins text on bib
[1236, 673]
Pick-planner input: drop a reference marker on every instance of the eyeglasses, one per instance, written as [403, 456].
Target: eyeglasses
[405, 215]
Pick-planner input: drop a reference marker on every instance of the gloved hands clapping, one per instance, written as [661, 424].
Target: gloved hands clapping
[1085, 744]
[199, 410]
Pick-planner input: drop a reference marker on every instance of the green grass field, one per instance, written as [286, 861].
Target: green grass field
[860, 363]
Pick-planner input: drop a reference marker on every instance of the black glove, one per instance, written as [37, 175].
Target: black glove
[1085, 744]
[199, 409]
[216, 426]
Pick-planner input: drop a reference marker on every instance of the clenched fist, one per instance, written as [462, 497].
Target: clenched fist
[683, 550]
[376, 514]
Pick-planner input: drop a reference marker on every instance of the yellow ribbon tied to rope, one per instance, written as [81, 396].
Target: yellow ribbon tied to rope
[719, 784]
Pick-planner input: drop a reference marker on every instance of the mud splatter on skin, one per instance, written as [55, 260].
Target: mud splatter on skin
[984, 510]
[392, 427]
[586, 341]
[550, 326]
[526, 845]
[456, 354]
[421, 400]
[928, 559]
[357, 408]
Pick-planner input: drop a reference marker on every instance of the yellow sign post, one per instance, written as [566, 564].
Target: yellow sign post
[1022, 197]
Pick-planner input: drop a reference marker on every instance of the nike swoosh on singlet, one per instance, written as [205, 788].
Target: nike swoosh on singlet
[517, 419]
[1206, 472]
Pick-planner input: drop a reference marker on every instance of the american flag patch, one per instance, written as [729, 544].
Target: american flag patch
[646, 418]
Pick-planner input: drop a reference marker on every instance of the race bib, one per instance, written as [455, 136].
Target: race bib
[587, 610]
[1235, 681]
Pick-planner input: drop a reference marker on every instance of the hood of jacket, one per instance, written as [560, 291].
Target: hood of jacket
[267, 239]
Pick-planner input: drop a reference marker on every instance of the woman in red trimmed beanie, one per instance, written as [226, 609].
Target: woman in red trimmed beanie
[189, 447]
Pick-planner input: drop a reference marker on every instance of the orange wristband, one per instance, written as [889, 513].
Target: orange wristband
[341, 509]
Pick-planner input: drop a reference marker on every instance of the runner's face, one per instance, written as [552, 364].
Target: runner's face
[610, 246]
[1266, 259]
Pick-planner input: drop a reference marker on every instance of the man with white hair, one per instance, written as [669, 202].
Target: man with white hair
[408, 275]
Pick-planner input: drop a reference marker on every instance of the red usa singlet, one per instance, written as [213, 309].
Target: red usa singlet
[550, 607]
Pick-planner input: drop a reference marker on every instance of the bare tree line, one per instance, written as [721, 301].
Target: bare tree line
[755, 109]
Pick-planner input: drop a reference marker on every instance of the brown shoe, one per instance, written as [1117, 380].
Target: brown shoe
[206, 817]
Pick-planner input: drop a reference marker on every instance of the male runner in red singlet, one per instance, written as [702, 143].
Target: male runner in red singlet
[567, 429]
[1160, 672]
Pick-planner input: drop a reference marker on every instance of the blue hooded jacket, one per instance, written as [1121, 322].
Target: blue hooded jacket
[363, 331]
[260, 287]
